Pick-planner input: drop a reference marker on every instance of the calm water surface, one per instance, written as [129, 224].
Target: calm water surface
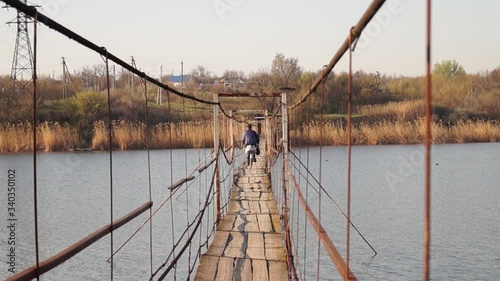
[387, 207]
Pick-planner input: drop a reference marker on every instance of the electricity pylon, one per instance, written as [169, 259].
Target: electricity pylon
[22, 63]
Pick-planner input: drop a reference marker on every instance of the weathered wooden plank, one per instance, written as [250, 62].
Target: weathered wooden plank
[227, 223]
[255, 195]
[253, 224]
[240, 223]
[265, 226]
[247, 244]
[246, 207]
[275, 254]
[215, 251]
[255, 249]
[272, 207]
[263, 217]
[244, 269]
[236, 245]
[220, 239]
[278, 270]
[276, 223]
[225, 269]
[237, 194]
[207, 269]
[234, 207]
[254, 207]
[273, 240]
[264, 207]
[260, 272]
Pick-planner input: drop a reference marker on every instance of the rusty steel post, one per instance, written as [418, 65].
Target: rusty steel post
[216, 155]
[428, 140]
[35, 190]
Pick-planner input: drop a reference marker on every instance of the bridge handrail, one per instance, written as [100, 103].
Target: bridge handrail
[50, 263]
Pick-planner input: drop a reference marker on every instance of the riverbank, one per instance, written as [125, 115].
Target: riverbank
[53, 136]
[396, 132]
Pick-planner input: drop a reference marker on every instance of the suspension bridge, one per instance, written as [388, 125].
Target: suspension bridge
[251, 223]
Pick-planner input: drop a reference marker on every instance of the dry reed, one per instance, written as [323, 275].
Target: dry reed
[401, 111]
[396, 132]
[128, 135]
[51, 136]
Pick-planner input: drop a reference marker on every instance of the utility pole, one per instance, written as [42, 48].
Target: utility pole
[65, 79]
[21, 73]
[159, 94]
[96, 83]
[182, 75]
[132, 77]
[64, 84]
[114, 80]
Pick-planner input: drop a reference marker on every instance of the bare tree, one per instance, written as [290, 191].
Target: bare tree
[234, 74]
[260, 81]
[285, 72]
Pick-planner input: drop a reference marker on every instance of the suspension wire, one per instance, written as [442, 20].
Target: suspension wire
[199, 216]
[208, 217]
[428, 138]
[187, 189]
[229, 116]
[52, 24]
[34, 127]
[296, 208]
[148, 144]
[349, 150]
[307, 181]
[230, 162]
[320, 231]
[186, 231]
[172, 228]
[176, 258]
[332, 200]
[152, 215]
[199, 205]
[110, 144]
[321, 120]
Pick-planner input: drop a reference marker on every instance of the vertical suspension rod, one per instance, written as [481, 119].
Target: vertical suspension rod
[428, 138]
[35, 189]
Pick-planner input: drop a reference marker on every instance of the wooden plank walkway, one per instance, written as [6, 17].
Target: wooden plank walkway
[247, 244]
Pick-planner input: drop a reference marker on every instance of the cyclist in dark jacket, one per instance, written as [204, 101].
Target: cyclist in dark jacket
[250, 144]
[250, 137]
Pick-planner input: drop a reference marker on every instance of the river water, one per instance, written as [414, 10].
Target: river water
[387, 207]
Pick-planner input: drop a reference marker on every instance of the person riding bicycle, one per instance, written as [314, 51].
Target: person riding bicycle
[250, 140]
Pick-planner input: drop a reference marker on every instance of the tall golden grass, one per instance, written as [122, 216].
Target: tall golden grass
[132, 135]
[396, 132]
[128, 135]
[401, 111]
[51, 136]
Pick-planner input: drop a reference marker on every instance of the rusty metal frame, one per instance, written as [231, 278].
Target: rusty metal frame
[252, 95]
[206, 166]
[330, 248]
[64, 255]
[180, 182]
[356, 32]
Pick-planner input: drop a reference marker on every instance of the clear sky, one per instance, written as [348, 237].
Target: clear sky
[246, 34]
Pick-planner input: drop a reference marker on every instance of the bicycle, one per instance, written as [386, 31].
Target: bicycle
[250, 152]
